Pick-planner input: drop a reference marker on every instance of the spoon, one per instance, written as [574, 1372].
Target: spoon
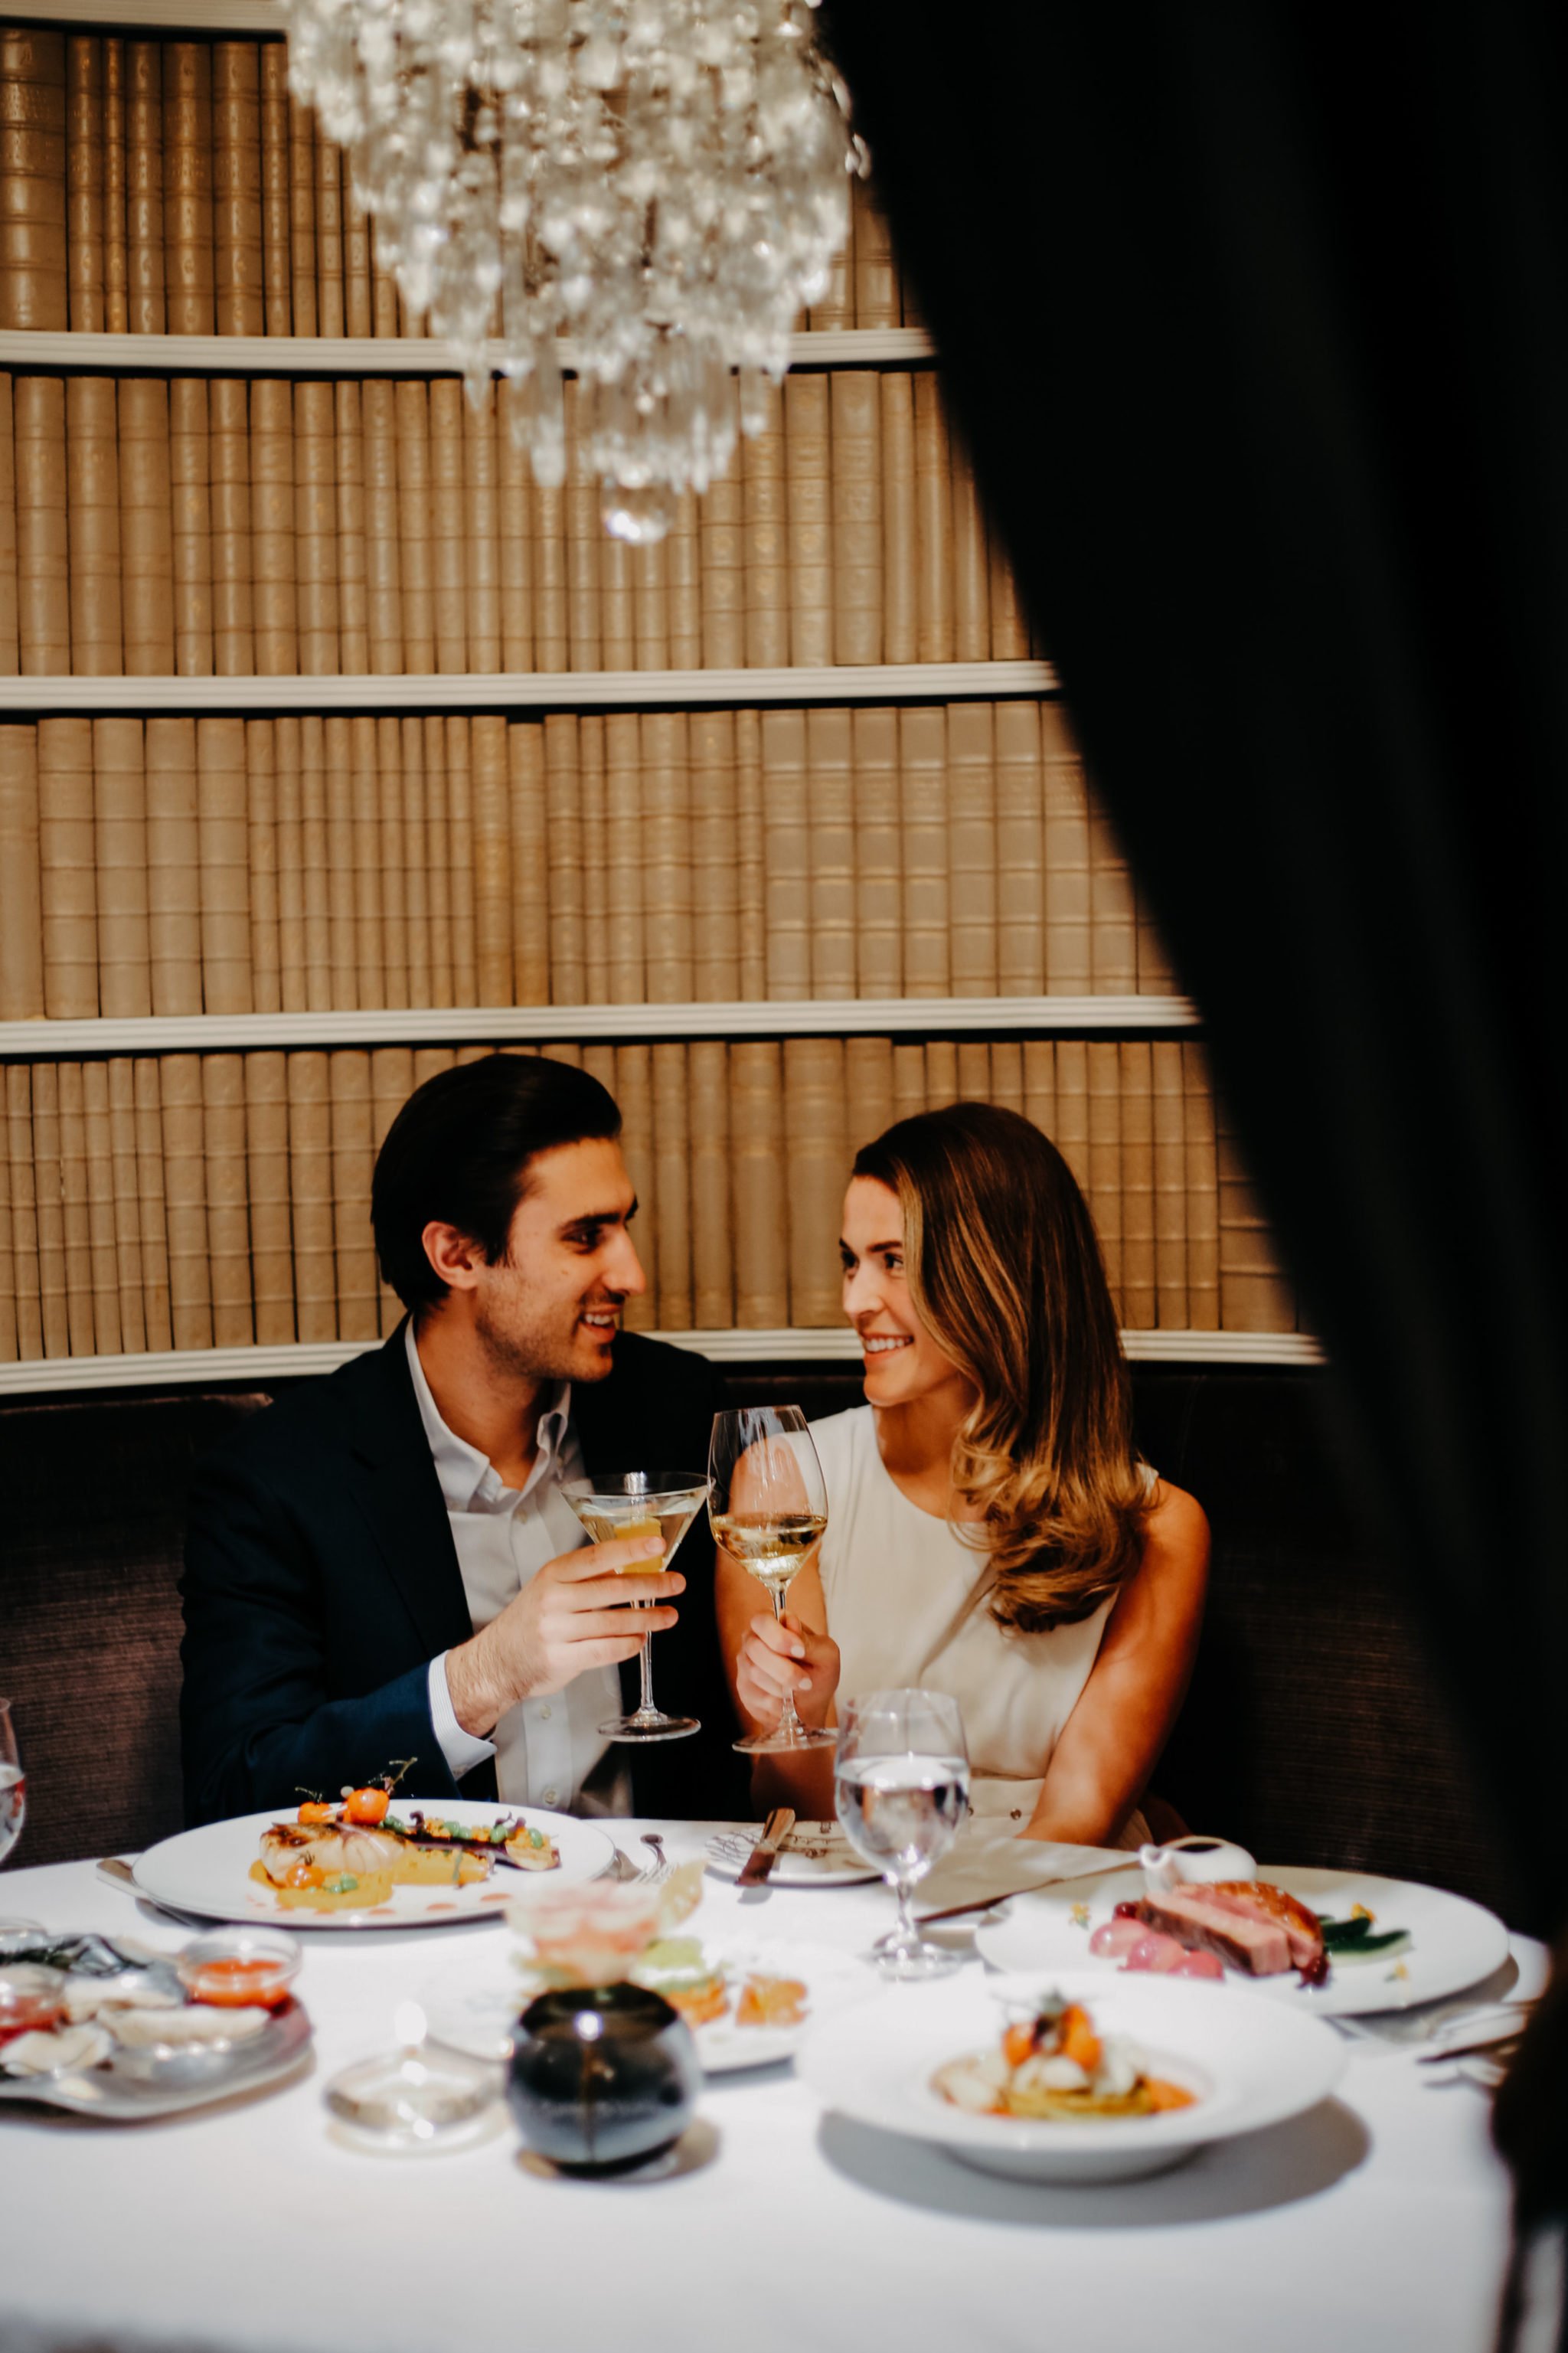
[662, 1863]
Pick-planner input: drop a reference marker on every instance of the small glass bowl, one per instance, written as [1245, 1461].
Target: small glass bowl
[421, 2098]
[231, 1968]
[31, 1996]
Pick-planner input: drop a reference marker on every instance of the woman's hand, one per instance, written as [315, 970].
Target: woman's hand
[784, 1654]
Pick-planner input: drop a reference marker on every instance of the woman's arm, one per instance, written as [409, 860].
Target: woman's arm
[1112, 1739]
[760, 1668]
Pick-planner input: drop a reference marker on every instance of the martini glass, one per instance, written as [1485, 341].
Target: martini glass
[615, 1504]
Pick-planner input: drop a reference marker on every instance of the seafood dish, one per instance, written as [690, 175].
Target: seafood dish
[73, 2004]
[348, 1855]
[1054, 2065]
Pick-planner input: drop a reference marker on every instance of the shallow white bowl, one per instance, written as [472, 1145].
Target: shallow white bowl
[1252, 2063]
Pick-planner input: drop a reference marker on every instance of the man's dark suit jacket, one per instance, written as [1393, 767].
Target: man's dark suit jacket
[322, 1578]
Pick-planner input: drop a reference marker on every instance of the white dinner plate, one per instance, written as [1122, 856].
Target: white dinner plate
[815, 1854]
[1453, 1942]
[473, 2003]
[207, 1870]
[1250, 2063]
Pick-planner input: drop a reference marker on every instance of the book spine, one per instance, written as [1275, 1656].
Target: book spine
[277, 216]
[152, 1206]
[722, 535]
[8, 1348]
[514, 539]
[854, 402]
[33, 241]
[353, 1158]
[448, 566]
[239, 293]
[547, 543]
[1007, 1073]
[261, 832]
[358, 299]
[1200, 1152]
[146, 521]
[10, 652]
[594, 838]
[346, 492]
[837, 306]
[119, 858]
[923, 796]
[1105, 1160]
[121, 1077]
[1170, 1184]
[391, 1084]
[1009, 628]
[267, 1187]
[321, 895]
[868, 1092]
[310, 1196]
[1138, 1243]
[76, 1218]
[633, 1091]
[191, 534]
[1253, 1293]
[650, 607]
[877, 858]
[1066, 855]
[876, 281]
[227, 1204]
[147, 305]
[624, 858]
[830, 817]
[583, 534]
[383, 537]
[1039, 1101]
[716, 930]
[1112, 918]
[900, 529]
[415, 886]
[763, 552]
[786, 856]
[92, 476]
[185, 1201]
[415, 519]
[669, 911]
[84, 183]
[188, 190]
[493, 860]
[973, 1080]
[23, 1198]
[272, 532]
[972, 848]
[21, 884]
[460, 853]
[316, 527]
[291, 958]
[758, 1184]
[683, 584]
[1020, 853]
[530, 867]
[330, 319]
[388, 822]
[1070, 1134]
[941, 1071]
[481, 535]
[617, 605]
[66, 869]
[908, 1080]
[751, 858]
[818, 1167]
[437, 863]
[302, 219]
[43, 572]
[222, 839]
[229, 469]
[382, 292]
[933, 523]
[971, 565]
[809, 519]
[712, 1249]
[342, 895]
[672, 1185]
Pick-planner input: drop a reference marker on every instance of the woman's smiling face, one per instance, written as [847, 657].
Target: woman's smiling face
[902, 1361]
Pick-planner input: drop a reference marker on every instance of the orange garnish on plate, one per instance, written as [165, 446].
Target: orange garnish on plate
[366, 1807]
[1079, 2039]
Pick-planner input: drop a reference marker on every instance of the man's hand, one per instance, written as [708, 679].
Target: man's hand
[571, 1616]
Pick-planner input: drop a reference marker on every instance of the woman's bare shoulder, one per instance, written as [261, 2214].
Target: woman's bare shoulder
[1177, 1531]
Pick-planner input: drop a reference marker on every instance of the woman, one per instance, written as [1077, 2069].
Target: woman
[991, 1531]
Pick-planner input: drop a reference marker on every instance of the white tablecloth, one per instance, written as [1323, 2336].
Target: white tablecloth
[1384, 2212]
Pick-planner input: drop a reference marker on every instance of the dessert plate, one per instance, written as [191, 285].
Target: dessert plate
[1453, 1942]
[208, 1871]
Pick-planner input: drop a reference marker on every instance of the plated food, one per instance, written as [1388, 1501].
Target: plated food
[331, 1860]
[1053, 2062]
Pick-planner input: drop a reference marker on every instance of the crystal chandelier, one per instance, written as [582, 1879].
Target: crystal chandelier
[666, 181]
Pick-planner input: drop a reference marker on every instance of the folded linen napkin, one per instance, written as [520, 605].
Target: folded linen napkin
[985, 1862]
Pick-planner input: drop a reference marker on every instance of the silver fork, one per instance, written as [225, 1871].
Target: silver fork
[661, 1865]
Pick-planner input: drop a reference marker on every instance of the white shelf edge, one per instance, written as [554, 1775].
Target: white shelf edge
[362, 355]
[158, 16]
[820, 1017]
[568, 689]
[55, 1375]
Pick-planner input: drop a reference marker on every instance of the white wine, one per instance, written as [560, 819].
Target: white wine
[772, 1544]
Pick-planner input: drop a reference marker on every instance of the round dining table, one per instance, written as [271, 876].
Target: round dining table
[1378, 2218]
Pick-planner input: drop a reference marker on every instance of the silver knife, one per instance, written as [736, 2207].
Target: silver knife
[766, 1853]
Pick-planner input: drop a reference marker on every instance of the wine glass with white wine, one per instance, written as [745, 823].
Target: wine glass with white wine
[767, 1506]
[615, 1504]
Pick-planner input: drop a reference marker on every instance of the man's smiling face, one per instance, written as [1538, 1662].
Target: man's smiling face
[549, 1308]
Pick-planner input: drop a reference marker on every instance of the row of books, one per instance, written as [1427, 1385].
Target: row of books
[290, 865]
[190, 1201]
[154, 185]
[186, 527]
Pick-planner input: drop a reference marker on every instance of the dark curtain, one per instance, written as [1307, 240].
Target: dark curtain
[1256, 317]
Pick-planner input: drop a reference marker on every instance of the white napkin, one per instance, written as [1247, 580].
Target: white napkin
[985, 1862]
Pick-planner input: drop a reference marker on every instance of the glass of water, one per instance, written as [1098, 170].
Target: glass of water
[901, 1787]
[13, 1786]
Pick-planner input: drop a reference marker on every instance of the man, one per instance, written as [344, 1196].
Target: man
[382, 1565]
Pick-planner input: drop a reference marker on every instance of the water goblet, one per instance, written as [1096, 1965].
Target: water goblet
[901, 1787]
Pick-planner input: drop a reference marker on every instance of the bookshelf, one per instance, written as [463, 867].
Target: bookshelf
[381, 354]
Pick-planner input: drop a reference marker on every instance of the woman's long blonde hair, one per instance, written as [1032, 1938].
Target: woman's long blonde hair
[1005, 1270]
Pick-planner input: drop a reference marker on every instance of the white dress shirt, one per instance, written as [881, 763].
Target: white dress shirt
[544, 1748]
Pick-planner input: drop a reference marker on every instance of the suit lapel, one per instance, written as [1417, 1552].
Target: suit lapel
[393, 1481]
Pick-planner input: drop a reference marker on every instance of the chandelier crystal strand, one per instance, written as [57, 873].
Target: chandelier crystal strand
[666, 181]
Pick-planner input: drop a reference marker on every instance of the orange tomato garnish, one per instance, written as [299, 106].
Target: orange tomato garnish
[1166, 2095]
[366, 1807]
[1079, 2039]
[300, 1874]
[315, 1809]
[1018, 2044]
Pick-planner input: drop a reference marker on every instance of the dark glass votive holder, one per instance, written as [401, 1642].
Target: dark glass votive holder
[603, 2077]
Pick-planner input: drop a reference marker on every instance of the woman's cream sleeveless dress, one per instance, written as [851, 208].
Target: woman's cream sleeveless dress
[906, 1605]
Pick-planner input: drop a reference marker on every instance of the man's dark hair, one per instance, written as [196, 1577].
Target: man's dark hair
[459, 1151]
